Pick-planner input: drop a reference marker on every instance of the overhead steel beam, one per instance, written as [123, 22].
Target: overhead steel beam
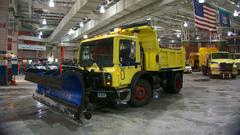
[80, 9]
[30, 8]
[31, 38]
[122, 12]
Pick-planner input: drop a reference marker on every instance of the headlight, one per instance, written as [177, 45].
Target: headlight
[108, 79]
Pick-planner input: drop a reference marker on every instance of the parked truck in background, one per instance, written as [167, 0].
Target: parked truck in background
[194, 61]
[217, 64]
[126, 66]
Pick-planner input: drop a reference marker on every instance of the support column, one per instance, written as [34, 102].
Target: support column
[4, 12]
[61, 58]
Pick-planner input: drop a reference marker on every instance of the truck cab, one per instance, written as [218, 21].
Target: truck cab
[222, 64]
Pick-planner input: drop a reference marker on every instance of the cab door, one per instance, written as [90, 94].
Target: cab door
[129, 59]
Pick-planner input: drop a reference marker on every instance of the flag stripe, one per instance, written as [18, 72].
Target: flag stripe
[209, 13]
[205, 28]
[205, 19]
[204, 23]
[210, 9]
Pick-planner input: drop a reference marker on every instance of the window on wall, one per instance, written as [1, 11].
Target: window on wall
[127, 54]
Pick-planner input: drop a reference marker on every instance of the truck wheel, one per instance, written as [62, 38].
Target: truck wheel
[141, 93]
[174, 83]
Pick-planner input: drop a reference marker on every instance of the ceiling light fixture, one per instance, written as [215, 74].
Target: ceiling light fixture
[102, 9]
[70, 32]
[44, 22]
[185, 24]
[40, 33]
[197, 38]
[235, 13]
[229, 33]
[51, 3]
[149, 19]
[85, 36]
[81, 24]
[39, 37]
[178, 35]
[201, 1]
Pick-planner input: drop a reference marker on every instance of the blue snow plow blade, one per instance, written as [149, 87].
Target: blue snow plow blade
[67, 88]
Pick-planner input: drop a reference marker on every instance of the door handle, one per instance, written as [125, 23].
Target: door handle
[122, 74]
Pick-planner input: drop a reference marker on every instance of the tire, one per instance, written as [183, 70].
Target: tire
[174, 83]
[141, 93]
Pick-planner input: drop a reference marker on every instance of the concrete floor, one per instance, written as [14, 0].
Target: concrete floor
[202, 108]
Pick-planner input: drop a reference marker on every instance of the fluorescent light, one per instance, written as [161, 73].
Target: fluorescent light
[197, 38]
[149, 19]
[172, 41]
[51, 3]
[102, 9]
[39, 37]
[178, 35]
[229, 33]
[70, 32]
[81, 24]
[185, 24]
[201, 1]
[40, 33]
[50, 59]
[235, 13]
[178, 30]
[44, 21]
[85, 36]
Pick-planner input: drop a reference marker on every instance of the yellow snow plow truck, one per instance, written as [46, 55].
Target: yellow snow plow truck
[126, 66]
[216, 63]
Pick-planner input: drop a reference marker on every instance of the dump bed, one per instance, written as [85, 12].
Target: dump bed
[156, 58]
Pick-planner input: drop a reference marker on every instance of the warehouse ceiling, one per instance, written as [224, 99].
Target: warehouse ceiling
[85, 16]
[31, 13]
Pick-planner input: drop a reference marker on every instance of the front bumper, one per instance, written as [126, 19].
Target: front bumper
[121, 96]
[223, 74]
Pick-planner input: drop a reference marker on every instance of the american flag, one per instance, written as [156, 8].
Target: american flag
[205, 17]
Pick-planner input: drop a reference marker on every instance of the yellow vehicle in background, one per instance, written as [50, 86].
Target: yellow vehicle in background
[237, 61]
[217, 64]
[194, 60]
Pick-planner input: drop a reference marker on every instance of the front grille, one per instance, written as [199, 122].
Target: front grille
[94, 80]
[226, 67]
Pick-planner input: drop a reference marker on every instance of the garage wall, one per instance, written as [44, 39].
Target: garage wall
[28, 54]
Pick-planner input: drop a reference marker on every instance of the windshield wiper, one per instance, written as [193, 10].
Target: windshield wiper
[100, 67]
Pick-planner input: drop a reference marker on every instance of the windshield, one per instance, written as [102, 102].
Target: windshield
[237, 56]
[99, 52]
[221, 56]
